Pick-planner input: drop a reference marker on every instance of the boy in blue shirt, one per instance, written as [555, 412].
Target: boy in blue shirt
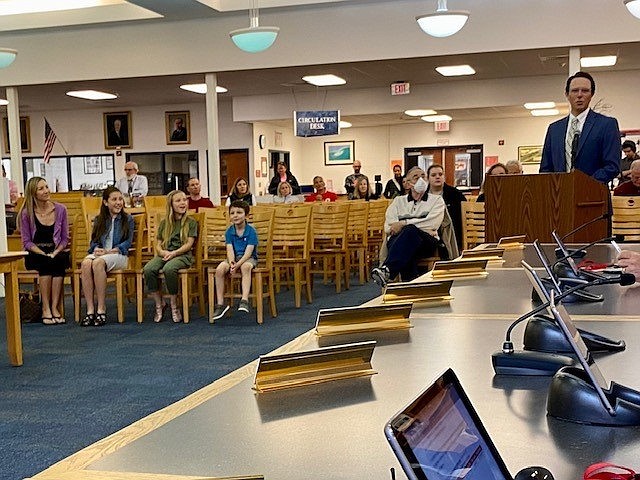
[242, 256]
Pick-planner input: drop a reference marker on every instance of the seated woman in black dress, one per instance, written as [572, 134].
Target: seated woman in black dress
[240, 191]
[283, 175]
[44, 229]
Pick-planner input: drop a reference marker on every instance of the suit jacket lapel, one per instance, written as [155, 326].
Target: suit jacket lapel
[586, 129]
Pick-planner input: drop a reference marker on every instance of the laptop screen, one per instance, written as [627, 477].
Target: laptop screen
[439, 436]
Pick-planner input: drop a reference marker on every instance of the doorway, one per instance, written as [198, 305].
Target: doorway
[234, 163]
[463, 165]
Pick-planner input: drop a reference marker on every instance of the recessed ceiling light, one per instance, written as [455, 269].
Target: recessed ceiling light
[420, 113]
[545, 112]
[201, 88]
[91, 95]
[455, 70]
[603, 61]
[539, 105]
[3, 101]
[345, 124]
[16, 7]
[436, 118]
[324, 80]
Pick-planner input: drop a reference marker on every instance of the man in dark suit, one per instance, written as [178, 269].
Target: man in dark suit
[585, 140]
[118, 135]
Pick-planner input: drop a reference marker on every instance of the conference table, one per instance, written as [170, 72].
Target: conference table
[335, 430]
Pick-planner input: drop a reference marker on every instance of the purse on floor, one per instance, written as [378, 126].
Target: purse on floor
[30, 308]
[609, 471]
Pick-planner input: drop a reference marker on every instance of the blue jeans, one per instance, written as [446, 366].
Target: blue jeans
[406, 248]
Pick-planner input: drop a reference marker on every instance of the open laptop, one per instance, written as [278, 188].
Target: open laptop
[439, 436]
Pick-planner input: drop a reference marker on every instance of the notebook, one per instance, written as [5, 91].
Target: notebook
[439, 436]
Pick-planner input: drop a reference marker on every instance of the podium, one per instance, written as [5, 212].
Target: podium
[534, 205]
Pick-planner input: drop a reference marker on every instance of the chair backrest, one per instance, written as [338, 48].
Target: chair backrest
[291, 231]
[71, 200]
[135, 253]
[198, 249]
[153, 219]
[80, 239]
[472, 224]
[329, 225]
[263, 223]
[626, 217]
[90, 207]
[358, 223]
[375, 220]
[214, 227]
[155, 202]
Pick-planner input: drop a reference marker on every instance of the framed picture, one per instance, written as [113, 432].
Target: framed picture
[263, 167]
[531, 154]
[25, 134]
[117, 130]
[108, 164]
[339, 153]
[177, 127]
[92, 165]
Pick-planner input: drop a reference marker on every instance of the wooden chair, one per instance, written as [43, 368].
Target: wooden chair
[291, 246]
[472, 224]
[90, 207]
[262, 285]
[329, 252]
[375, 229]
[626, 218]
[71, 200]
[155, 202]
[358, 237]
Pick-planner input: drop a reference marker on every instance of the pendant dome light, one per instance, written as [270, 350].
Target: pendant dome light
[7, 56]
[255, 38]
[444, 22]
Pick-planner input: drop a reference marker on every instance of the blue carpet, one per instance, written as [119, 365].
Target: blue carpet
[78, 385]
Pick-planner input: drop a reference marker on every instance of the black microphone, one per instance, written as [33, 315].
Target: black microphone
[604, 216]
[574, 149]
[524, 362]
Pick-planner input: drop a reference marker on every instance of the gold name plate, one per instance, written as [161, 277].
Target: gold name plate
[489, 254]
[417, 292]
[515, 242]
[459, 268]
[277, 372]
[337, 321]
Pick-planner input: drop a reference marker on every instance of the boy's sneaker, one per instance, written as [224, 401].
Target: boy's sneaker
[244, 306]
[381, 275]
[220, 312]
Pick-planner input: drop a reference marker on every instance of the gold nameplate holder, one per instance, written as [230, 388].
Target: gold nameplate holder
[459, 269]
[338, 321]
[515, 242]
[419, 292]
[277, 372]
[489, 254]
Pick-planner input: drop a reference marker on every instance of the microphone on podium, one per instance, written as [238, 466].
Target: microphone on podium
[509, 361]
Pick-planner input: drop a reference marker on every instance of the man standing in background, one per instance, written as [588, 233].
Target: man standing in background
[350, 181]
[585, 140]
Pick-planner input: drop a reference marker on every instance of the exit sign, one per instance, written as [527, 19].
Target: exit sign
[442, 126]
[400, 88]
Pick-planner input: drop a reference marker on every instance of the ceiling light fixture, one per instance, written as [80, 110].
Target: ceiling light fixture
[603, 61]
[545, 112]
[455, 70]
[255, 38]
[201, 88]
[92, 95]
[443, 23]
[539, 105]
[633, 6]
[436, 118]
[345, 124]
[7, 56]
[3, 101]
[327, 80]
[419, 112]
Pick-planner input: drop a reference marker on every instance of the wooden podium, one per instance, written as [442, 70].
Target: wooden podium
[534, 205]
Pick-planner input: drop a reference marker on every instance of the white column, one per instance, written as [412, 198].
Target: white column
[213, 137]
[574, 60]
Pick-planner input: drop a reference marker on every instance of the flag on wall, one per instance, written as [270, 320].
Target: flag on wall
[49, 141]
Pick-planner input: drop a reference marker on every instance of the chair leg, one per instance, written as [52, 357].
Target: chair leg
[119, 297]
[139, 297]
[338, 270]
[200, 288]
[211, 292]
[76, 297]
[361, 260]
[307, 270]
[347, 270]
[272, 297]
[258, 289]
[297, 287]
[184, 286]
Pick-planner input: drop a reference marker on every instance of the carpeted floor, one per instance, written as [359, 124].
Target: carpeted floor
[78, 385]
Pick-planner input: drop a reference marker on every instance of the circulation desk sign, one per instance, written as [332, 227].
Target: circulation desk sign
[316, 123]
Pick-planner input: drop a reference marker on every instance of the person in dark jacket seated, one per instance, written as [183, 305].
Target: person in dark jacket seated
[452, 198]
[283, 175]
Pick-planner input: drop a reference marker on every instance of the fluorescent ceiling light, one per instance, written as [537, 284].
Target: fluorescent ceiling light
[324, 80]
[92, 95]
[17, 7]
[201, 88]
[633, 6]
[444, 22]
[436, 118]
[539, 105]
[3, 101]
[603, 61]
[420, 113]
[545, 112]
[345, 124]
[455, 70]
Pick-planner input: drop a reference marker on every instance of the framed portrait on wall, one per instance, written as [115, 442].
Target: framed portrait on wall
[25, 134]
[117, 129]
[177, 127]
[339, 153]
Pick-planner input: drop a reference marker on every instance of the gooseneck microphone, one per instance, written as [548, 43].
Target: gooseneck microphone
[604, 216]
[524, 362]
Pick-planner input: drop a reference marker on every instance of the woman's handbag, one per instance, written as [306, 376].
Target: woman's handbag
[609, 471]
[30, 308]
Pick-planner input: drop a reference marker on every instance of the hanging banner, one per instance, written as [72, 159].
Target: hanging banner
[316, 123]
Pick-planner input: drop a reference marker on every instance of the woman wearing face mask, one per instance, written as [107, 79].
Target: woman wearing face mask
[452, 198]
[411, 223]
[394, 186]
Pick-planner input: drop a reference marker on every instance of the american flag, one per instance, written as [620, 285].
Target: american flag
[49, 140]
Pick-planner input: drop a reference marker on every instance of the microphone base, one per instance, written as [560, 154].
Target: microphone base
[529, 363]
[575, 297]
[574, 253]
[542, 334]
[573, 398]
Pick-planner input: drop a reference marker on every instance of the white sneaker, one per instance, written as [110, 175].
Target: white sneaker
[381, 275]
[220, 311]
[244, 306]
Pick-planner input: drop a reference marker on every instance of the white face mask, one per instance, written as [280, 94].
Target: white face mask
[421, 185]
